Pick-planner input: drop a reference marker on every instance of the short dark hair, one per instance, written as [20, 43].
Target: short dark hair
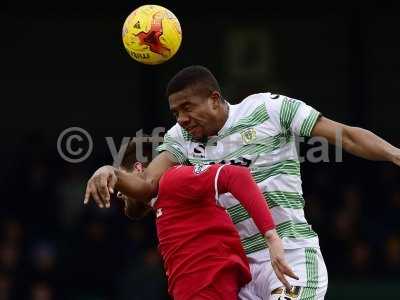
[197, 77]
[130, 155]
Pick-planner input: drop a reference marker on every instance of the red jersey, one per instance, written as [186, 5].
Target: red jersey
[196, 235]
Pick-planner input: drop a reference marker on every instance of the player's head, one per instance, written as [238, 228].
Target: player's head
[195, 99]
[131, 162]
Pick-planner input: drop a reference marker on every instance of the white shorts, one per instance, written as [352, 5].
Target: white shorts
[307, 263]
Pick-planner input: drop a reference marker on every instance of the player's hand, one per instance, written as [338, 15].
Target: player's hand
[278, 262]
[100, 186]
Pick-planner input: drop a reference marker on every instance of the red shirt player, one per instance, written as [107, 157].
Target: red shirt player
[200, 246]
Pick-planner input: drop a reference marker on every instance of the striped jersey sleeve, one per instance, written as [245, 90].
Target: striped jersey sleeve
[291, 115]
[174, 143]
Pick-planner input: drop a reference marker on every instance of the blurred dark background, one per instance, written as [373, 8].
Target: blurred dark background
[64, 65]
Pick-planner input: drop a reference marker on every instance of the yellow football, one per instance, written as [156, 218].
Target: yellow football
[151, 34]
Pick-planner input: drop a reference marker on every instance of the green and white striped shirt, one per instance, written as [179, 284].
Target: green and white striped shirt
[259, 133]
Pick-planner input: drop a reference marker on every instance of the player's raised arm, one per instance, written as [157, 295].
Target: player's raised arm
[357, 141]
[238, 181]
[107, 178]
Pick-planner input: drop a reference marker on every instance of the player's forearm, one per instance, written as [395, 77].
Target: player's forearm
[241, 185]
[365, 144]
[256, 205]
[134, 186]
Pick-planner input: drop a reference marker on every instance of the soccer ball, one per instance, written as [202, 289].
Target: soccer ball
[151, 34]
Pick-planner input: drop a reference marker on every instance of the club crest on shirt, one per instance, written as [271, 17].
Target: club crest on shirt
[159, 212]
[197, 169]
[248, 135]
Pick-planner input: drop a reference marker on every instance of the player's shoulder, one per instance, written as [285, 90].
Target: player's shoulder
[255, 100]
[175, 132]
[196, 169]
[197, 177]
[260, 103]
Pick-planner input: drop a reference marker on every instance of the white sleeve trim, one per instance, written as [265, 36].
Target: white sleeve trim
[216, 182]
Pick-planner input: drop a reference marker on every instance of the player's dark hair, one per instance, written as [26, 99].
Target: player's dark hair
[198, 78]
[130, 155]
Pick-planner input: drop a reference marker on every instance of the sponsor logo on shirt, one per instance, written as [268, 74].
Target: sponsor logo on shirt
[240, 161]
[199, 151]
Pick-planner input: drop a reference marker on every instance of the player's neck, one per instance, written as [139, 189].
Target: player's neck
[223, 117]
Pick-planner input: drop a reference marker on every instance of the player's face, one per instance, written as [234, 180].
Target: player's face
[195, 113]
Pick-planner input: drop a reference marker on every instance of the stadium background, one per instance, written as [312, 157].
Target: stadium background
[64, 65]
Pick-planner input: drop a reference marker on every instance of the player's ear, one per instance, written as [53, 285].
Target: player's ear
[138, 167]
[215, 99]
